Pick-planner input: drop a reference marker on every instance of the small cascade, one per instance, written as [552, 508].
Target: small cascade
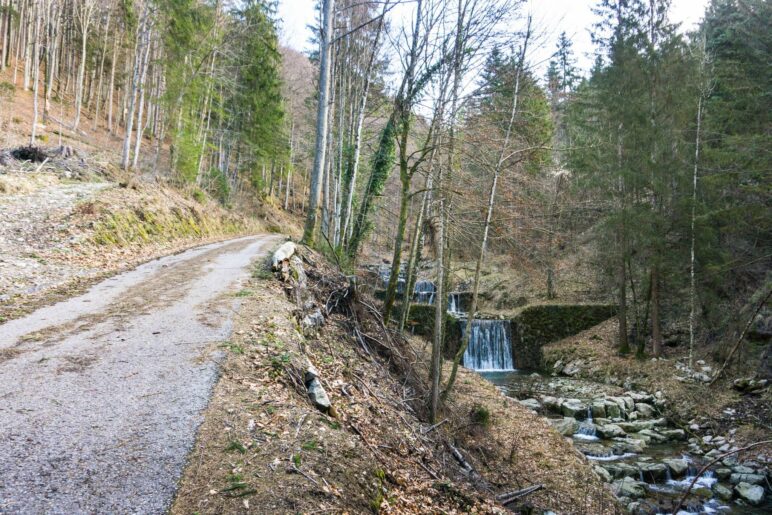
[384, 272]
[424, 292]
[490, 348]
[586, 429]
[454, 303]
[706, 480]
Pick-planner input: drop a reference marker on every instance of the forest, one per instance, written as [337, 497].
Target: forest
[425, 148]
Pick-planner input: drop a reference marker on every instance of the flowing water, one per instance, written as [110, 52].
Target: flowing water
[424, 292]
[490, 346]
[662, 490]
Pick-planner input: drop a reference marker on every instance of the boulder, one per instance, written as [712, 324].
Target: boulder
[551, 403]
[629, 403]
[752, 494]
[753, 479]
[531, 404]
[641, 437]
[285, 251]
[742, 469]
[312, 322]
[316, 391]
[566, 427]
[673, 434]
[748, 385]
[574, 408]
[598, 409]
[723, 473]
[573, 368]
[644, 410]
[640, 397]
[653, 471]
[604, 474]
[653, 435]
[609, 431]
[623, 445]
[722, 492]
[678, 467]
[621, 470]
[628, 487]
[612, 409]
[636, 426]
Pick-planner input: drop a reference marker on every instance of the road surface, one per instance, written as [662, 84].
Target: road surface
[101, 395]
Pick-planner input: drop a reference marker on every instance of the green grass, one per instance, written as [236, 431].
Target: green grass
[235, 445]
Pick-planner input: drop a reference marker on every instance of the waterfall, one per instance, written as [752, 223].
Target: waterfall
[490, 348]
[424, 292]
[454, 303]
[384, 272]
[586, 429]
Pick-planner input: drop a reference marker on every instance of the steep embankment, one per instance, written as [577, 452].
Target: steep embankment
[264, 446]
[67, 221]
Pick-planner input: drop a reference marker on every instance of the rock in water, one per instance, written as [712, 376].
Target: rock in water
[629, 487]
[610, 431]
[574, 408]
[753, 494]
[722, 492]
[567, 426]
[677, 467]
[754, 479]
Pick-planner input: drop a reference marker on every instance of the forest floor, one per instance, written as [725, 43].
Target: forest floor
[264, 447]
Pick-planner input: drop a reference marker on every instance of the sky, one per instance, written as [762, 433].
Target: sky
[575, 17]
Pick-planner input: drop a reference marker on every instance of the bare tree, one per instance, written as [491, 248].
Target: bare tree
[309, 232]
[84, 12]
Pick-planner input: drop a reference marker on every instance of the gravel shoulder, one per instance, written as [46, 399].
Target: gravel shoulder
[102, 394]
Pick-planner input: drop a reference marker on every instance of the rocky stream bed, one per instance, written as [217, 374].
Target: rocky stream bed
[648, 461]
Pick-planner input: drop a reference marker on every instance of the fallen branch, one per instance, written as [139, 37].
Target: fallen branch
[428, 470]
[435, 426]
[710, 464]
[460, 458]
[510, 497]
[41, 164]
[295, 469]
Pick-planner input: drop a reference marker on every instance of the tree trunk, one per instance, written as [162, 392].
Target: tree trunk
[85, 21]
[36, 71]
[309, 232]
[656, 331]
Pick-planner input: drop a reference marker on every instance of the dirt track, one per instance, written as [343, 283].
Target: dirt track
[101, 395]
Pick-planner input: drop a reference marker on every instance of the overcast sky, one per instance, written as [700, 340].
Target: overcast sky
[575, 17]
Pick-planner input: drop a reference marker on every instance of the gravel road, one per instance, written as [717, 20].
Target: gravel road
[101, 395]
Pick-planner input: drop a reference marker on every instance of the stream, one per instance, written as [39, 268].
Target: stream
[649, 463]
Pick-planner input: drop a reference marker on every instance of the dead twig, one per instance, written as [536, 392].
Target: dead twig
[433, 427]
[295, 469]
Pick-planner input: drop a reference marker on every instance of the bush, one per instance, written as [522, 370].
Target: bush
[480, 416]
[29, 153]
